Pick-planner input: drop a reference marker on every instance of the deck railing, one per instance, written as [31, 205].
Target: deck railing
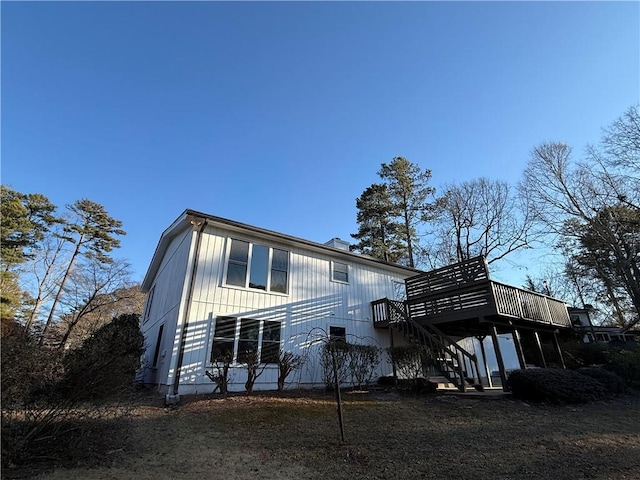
[535, 307]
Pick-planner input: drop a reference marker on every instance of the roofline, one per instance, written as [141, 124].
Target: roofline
[182, 222]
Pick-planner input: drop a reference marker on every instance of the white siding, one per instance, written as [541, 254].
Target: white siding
[167, 289]
[312, 304]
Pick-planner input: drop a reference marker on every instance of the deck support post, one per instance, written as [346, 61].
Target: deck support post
[536, 335]
[483, 352]
[496, 347]
[393, 364]
[556, 344]
[519, 351]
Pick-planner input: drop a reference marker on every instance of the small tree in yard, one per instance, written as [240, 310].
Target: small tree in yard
[288, 363]
[252, 360]
[220, 376]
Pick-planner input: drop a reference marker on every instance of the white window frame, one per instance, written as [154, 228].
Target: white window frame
[237, 339]
[247, 277]
[334, 271]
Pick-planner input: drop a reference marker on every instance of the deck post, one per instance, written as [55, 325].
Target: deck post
[539, 344]
[519, 351]
[496, 347]
[556, 344]
[483, 352]
[461, 368]
[393, 364]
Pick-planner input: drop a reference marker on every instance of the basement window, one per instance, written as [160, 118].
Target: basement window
[234, 344]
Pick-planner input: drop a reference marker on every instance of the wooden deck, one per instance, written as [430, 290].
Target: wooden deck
[459, 295]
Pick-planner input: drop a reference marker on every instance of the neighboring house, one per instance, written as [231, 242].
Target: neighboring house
[590, 333]
[216, 285]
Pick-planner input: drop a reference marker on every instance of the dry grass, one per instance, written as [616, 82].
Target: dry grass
[388, 436]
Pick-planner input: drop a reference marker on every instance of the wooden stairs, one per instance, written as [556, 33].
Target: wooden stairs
[445, 357]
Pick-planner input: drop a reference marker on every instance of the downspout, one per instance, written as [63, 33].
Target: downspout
[173, 396]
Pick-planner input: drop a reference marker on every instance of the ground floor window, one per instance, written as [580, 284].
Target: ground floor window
[235, 338]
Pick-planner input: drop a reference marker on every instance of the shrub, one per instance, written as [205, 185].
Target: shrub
[106, 362]
[288, 363]
[625, 362]
[338, 350]
[556, 386]
[609, 380]
[363, 360]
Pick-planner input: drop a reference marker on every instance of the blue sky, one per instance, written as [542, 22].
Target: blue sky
[280, 114]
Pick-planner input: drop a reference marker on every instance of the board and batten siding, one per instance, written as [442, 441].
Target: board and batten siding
[311, 305]
[165, 297]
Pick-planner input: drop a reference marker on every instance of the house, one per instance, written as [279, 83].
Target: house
[590, 333]
[216, 285]
[217, 288]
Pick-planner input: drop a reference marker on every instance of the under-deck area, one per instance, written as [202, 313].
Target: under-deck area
[461, 301]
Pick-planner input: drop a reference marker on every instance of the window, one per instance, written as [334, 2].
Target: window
[340, 272]
[248, 342]
[147, 307]
[156, 353]
[266, 268]
[224, 339]
[338, 333]
[252, 336]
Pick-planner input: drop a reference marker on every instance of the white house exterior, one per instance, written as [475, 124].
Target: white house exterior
[219, 284]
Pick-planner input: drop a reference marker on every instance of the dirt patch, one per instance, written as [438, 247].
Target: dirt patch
[388, 436]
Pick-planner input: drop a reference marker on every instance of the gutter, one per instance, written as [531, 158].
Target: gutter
[172, 396]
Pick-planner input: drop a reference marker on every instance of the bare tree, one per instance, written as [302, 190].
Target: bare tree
[590, 211]
[481, 217]
[91, 298]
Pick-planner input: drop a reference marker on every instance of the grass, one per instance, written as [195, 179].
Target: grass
[388, 436]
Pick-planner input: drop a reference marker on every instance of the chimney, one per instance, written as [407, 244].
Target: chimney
[337, 243]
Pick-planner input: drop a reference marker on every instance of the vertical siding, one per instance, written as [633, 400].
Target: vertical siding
[167, 286]
[313, 304]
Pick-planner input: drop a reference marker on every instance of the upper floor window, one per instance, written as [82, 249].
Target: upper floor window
[340, 272]
[257, 266]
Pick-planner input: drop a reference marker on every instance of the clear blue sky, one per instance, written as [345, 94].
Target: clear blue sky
[280, 114]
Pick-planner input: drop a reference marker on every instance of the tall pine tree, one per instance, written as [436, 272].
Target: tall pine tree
[378, 233]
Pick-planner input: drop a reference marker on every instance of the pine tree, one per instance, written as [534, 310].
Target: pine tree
[377, 231]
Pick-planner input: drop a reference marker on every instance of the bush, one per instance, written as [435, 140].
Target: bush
[609, 380]
[625, 362]
[556, 386]
[106, 362]
[43, 390]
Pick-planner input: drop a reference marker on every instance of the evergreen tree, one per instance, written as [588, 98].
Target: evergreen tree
[408, 190]
[378, 233]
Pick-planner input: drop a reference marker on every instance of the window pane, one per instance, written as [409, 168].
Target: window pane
[239, 251]
[246, 348]
[340, 272]
[222, 350]
[249, 329]
[225, 327]
[259, 267]
[280, 260]
[270, 352]
[278, 281]
[236, 274]
[271, 332]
